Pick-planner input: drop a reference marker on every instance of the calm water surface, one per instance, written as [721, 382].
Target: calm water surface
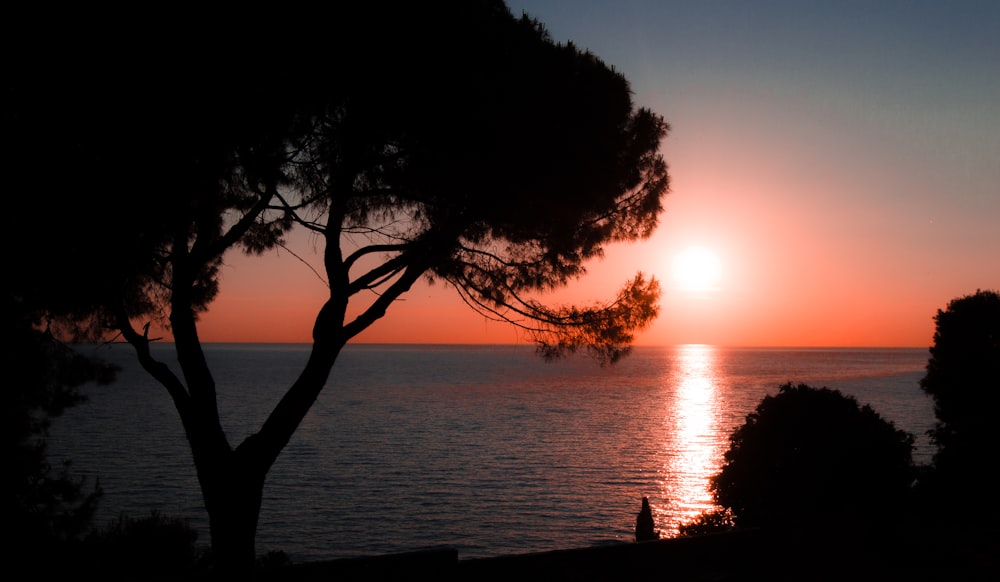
[485, 449]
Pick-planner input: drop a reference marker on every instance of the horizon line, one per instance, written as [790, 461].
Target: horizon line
[528, 344]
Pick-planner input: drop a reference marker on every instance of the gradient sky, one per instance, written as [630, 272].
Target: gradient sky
[840, 158]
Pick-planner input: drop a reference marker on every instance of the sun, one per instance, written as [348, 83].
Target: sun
[697, 269]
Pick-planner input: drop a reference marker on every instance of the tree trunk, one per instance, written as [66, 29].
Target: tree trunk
[232, 492]
[232, 481]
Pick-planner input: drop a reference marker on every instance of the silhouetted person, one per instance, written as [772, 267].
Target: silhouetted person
[644, 526]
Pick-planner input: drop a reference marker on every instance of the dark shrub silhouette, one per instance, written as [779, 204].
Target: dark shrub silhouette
[139, 548]
[813, 457]
[963, 377]
[719, 520]
[42, 507]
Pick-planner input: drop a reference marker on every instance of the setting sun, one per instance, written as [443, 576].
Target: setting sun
[697, 269]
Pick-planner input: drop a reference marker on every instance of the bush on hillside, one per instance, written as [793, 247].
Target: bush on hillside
[814, 457]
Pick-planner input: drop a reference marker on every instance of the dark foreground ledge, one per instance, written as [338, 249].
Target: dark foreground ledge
[742, 556]
[673, 559]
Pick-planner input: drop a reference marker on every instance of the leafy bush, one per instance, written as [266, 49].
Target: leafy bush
[42, 504]
[812, 456]
[719, 520]
[963, 377]
[140, 547]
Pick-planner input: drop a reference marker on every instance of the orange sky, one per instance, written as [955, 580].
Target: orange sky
[842, 165]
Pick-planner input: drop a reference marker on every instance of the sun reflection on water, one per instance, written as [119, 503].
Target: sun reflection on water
[694, 449]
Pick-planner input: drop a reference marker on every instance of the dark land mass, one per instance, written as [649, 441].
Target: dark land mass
[913, 556]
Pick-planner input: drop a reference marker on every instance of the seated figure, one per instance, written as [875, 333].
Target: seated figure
[645, 529]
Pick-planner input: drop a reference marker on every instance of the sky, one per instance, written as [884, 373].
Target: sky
[837, 163]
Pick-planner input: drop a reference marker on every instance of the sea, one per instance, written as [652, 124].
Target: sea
[485, 449]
